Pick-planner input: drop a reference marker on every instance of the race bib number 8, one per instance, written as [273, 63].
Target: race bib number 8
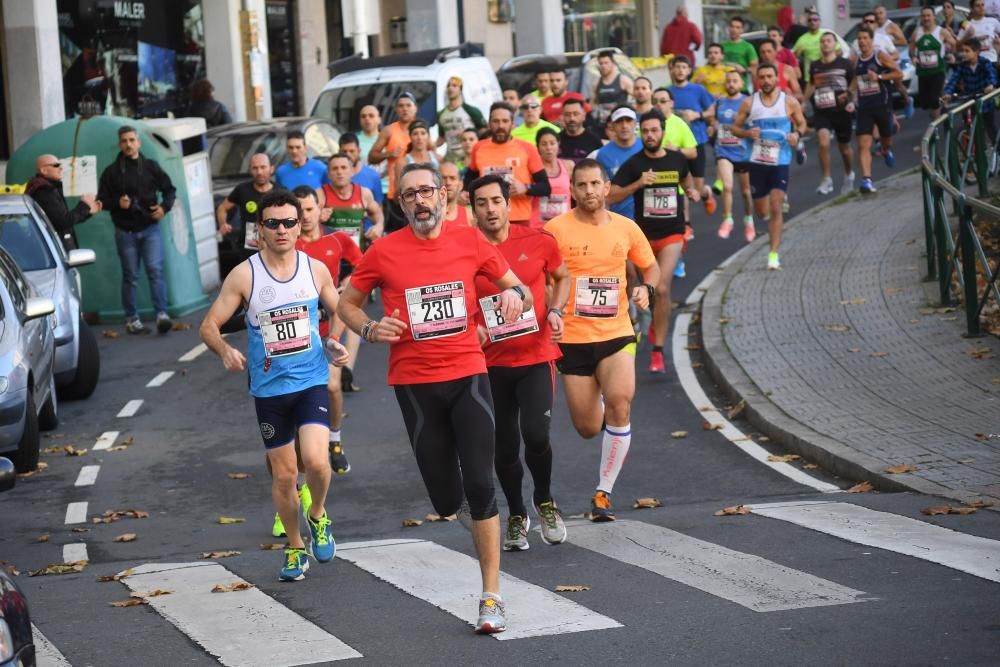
[765, 152]
[659, 202]
[499, 328]
[596, 297]
[436, 310]
[285, 331]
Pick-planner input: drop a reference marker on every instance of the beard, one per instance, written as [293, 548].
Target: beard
[426, 224]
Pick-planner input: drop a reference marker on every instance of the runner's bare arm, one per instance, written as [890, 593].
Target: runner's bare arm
[378, 153]
[709, 113]
[797, 116]
[739, 122]
[511, 303]
[336, 353]
[230, 297]
[640, 293]
[621, 193]
[350, 310]
[374, 212]
[560, 296]
[894, 74]
[222, 216]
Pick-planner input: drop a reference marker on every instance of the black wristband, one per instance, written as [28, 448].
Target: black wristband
[557, 311]
[517, 290]
[651, 290]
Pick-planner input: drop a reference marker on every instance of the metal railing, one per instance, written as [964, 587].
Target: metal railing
[956, 153]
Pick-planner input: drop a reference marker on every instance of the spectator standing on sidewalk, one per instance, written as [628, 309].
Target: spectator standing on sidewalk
[681, 37]
[204, 105]
[138, 193]
[46, 189]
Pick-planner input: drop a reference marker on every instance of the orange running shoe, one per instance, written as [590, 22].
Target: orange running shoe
[710, 204]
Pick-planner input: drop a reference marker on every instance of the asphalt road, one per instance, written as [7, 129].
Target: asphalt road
[680, 586]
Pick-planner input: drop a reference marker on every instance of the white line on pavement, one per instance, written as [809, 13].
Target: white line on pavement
[75, 552]
[131, 408]
[978, 556]
[245, 628]
[451, 581]
[747, 580]
[194, 352]
[106, 440]
[711, 414]
[160, 379]
[76, 512]
[87, 476]
[46, 654]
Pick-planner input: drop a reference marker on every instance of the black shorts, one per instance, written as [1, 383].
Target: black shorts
[929, 88]
[738, 167]
[766, 178]
[582, 358]
[280, 417]
[837, 121]
[697, 165]
[880, 117]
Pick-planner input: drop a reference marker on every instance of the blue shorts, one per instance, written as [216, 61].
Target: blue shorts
[280, 417]
[766, 178]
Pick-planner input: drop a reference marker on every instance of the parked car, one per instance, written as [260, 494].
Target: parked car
[581, 70]
[29, 237]
[358, 82]
[27, 357]
[230, 147]
[16, 641]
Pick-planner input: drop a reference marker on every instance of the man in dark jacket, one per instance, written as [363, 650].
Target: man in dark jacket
[45, 187]
[138, 193]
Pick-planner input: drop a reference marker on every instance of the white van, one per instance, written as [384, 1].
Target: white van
[380, 81]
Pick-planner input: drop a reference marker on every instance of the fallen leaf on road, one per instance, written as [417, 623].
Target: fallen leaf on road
[982, 353]
[854, 349]
[42, 538]
[110, 516]
[411, 523]
[692, 347]
[149, 594]
[861, 487]
[853, 302]
[125, 537]
[116, 577]
[58, 449]
[711, 427]
[60, 568]
[697, 364]
[995, 381]
[272, 547]
[73, 451]
[108, 333]
[962, 510]
[981, 503]
[219, 554]
[723, 320]
[879, 354]
[574, 588]
[783, 458]
[10, 569]
[438, 517]
[763, 438]
[81, 530]
[900, 469]
[230, 588]
[226, 520]
[679, 434]
[837, 328]
[238, 475]
[966, 461]
[734, 510]
[891, 290]
[180, 326]
[42, 467]
[737, 409]
[131, 602]
[982, 436]
[128, 442]
[935, 510]
[646, 503]
[809, 466]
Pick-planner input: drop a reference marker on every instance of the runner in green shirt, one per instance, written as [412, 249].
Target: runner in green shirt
[806, 47]
[531, 111]
[739, 53]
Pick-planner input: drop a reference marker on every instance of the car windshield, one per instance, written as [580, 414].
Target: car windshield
[20, 236]
[342, 106]
[230, 153]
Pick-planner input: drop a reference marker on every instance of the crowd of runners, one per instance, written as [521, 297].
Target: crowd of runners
[527, 242]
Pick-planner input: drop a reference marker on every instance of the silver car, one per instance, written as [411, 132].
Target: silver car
[29, 237]
[27, 358]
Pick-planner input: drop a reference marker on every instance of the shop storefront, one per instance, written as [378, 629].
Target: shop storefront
[594, 24]
[129, 58]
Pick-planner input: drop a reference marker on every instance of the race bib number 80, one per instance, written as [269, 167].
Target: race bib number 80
[285, 331]
[436, 310]
[596, 297]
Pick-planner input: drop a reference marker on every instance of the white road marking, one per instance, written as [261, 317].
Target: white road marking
[106, 440]
[451, 581]
[978, 556]
[46, 654]
[75, 552]
[246, 628]
[131, 408]
[76, 512]
[753, 582]
[194, 352]
[689, 382]
[87, 476]
[160, 379]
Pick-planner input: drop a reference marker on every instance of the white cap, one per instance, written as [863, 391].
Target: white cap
[622, 112]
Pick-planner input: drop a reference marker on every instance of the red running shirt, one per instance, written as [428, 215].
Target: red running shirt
[326, 249]
[531, 254]
[351, 252]
[433, 284]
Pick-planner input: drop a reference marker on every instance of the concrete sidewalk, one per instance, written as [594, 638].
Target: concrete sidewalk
[841, 358]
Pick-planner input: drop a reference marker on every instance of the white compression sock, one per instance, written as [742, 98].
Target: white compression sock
[335, 435]
[614, 448]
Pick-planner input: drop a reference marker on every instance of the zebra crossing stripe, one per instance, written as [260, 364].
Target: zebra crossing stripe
[978, 556]
[451, 581]
[246, 628]
[747, 580]
[46, 654]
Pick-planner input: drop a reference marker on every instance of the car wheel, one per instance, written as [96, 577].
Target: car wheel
[48, 418]
[88, 366]
[26, 457]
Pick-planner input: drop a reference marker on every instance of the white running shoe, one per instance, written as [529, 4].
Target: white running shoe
[848, 186]
[825, 186]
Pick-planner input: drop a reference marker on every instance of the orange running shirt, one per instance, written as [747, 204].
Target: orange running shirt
[399, 140]
[514, 159]
[595, 255]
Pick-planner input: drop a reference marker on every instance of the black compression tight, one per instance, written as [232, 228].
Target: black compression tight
[522, 400]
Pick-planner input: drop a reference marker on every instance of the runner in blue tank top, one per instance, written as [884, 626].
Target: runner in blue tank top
[872, 72]
[287, 363]
[732, 155]
[770, 114]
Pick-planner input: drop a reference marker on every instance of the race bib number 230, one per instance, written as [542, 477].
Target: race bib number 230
[436, 310]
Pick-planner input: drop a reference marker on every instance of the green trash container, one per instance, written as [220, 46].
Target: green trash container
[98, 136]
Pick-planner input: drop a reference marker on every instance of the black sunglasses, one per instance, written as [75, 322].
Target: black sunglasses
[54, 164]
[274, 223]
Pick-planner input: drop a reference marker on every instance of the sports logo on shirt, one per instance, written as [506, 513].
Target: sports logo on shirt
[267, 294]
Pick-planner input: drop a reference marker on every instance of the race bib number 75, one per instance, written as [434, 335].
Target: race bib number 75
[436, 310]
[596, 296]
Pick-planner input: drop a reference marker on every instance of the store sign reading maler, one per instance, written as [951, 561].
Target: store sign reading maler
[79, 175]
[130, 10]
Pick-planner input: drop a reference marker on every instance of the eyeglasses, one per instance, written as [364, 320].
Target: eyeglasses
[525, 107]
[274, 223]
[425, 192]
[54, 165]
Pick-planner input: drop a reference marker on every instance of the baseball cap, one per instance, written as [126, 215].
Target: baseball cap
[408, 95]
[622, 112]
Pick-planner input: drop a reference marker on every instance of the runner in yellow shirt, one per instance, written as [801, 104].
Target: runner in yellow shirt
[712, 75]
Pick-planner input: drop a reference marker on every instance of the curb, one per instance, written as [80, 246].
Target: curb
[771, 420]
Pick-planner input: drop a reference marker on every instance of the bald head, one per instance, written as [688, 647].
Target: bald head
[48, 166]
[369, 119]
[260, 169]
[682, 11]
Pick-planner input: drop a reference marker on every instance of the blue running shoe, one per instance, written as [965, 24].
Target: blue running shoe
[296, 564]
[322, 543]
[679, 271]
[890, 159]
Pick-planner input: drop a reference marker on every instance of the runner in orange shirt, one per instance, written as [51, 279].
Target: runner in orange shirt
[391, 145]
[598, 343]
